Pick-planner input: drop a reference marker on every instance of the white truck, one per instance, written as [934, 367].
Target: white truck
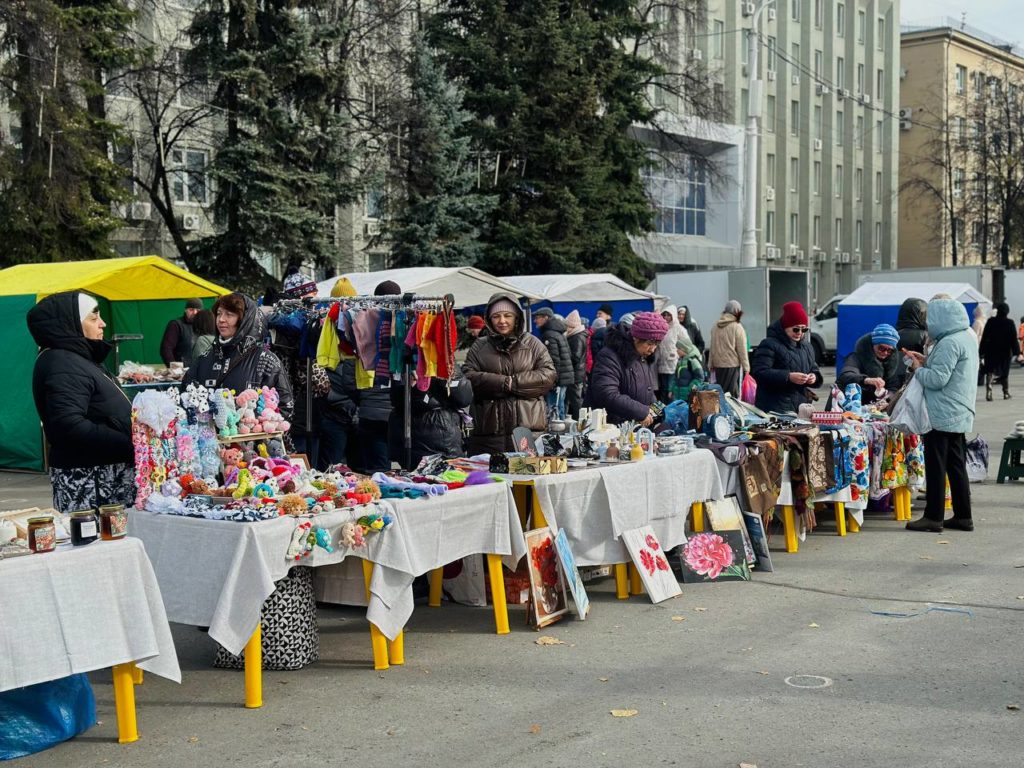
[824, 330]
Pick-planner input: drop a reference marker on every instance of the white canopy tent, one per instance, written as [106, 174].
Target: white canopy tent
[597, 286]
[471, 287]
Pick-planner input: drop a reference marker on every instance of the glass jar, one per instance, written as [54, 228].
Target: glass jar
[84, 527]
[42, 534]
[113, 521]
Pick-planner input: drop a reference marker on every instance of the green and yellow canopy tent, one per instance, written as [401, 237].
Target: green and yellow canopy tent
[137, 295]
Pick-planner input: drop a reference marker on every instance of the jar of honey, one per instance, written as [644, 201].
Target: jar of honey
[42, 535]
[113, 521]
[84, 527]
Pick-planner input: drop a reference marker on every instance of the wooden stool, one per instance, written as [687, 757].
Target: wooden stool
[1010, 465]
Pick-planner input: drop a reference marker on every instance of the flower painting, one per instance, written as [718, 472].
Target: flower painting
[547, 587]
[649, 558]
[715, 557]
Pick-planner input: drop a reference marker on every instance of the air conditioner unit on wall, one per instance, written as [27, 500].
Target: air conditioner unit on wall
[795, 79]
[769, 193]
[191, 222]
[865, 99]
[771, 75]
[817, 145]
[771, 253]
[844, 257]
[371, 228]
[697, 54]
[771, 14]
[747, 9]
[821, 89]
[820, 256]
[906, 118]
[140, 211]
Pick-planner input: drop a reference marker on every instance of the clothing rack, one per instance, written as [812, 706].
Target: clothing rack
[389, 302]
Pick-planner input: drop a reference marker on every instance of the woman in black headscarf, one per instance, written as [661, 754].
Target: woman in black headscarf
[999, 345]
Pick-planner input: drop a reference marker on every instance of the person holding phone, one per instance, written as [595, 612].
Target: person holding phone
[783, 363]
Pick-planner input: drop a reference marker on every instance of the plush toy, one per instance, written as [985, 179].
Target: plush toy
[226, 415]
[275, 447]
[374, 522]
[230, 458]
[246, 402]
[369, 488]
[323, 539]
[271, 418]
[297, 545]
[245, 485]
[351, 535]
[292, 504]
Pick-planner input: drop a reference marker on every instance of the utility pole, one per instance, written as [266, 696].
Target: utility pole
[755, 90]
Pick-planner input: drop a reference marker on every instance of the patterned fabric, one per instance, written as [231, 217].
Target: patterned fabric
[860, 458]
[291, 639]
[91, 487]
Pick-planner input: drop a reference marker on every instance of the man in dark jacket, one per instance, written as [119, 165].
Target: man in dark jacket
[339, 414]
[436, 423]
[912, 325]
[999, 345]
[552, 333]
[625, 374]
[874, 364]
[783, 364]
[176, 344]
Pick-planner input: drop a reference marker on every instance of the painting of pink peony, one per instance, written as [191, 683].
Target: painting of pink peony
[714, 557]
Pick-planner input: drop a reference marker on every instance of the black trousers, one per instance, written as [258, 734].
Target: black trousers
[945, 454]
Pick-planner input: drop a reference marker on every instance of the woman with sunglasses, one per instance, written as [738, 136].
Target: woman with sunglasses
[783, 364]
[875, 364]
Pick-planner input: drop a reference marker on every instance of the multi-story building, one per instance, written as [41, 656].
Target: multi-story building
[827, 168]
[961, 94]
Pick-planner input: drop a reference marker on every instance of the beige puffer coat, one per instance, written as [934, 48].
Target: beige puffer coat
[729, 344]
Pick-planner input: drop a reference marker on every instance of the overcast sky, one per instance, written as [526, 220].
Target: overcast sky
[1002, 18]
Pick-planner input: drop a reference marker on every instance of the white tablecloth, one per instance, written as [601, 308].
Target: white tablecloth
[80, 609]
[218, 573]
[595, 505]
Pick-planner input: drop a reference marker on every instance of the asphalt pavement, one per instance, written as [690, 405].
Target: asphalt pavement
[882, 648]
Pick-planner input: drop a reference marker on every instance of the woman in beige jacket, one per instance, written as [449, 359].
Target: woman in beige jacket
[728, 356]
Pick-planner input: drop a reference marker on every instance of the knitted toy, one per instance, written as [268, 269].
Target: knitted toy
[230, 458]
[246, 402]
[270, 417]
[351, 535]
[323, 539]
[297, 546]
[226, 415]
[292, 504]
[275, 447]
[245, 485]
[374, 522]
[368, 487]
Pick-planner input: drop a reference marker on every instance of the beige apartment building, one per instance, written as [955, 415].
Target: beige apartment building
[959, 85]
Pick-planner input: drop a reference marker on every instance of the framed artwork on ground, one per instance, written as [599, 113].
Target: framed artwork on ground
[714, 556]
[547, 587]
[726, 515]
[572, 575]
[650, 560]
[759, 540]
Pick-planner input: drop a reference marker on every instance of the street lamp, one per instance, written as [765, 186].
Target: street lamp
[755, 86]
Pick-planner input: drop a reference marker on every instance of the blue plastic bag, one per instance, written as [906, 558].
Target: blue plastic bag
[677, 416]
[39, 716]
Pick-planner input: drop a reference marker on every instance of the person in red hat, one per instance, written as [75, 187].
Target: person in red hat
[475, 326]
[783, 364]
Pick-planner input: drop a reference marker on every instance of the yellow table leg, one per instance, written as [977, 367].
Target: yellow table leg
[124, 703]
[621, 581]
[498, 593]
[521, 492]
[851, 523]
[436, 579]
[396, 650]
[901, 503]
[539, 521]
[698, 516]
[377, 639]
[136, 675]
[789, 526]
[636, 586]
[254, 670]
[840, 518]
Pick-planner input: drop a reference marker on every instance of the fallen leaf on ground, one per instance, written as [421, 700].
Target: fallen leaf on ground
[812, 625]
[700, 610]
[193, 739]
[548, 640]
[535, 728]
[1013, 706]
[1020, 597]
[678, 618]
[925, 557]
[603, 679]
[748, 765]
[942, 541]
[624, 712]
[761, 672]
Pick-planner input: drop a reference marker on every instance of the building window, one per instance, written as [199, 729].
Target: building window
[817, 177]
[373, 203]
[961, 79]
[858, 235]
[959, 229]
[860, 78]
[839, 181]
[794, 10]
[819, 12]
[878, 186]
[859, 137]
[862, 23]
[840, 20]
[879, 85]
[958, 182]
[769, 227]
[858, 183]
[744, 105]
[880, 42]
[817, 121]
[977, 231]
[794, 229]
[769, 170]
[839, 128]
[794, 118]
[188, 176]
[124, 156]
[837, 234]
[816, 234]
[879, 135]
[769, 125]
[840, 72]
[819, 60]
[794, 51]
[979, 84]
[718, 39]
[794, 174]
[961, 130]
[770, 61]
[878, 237]
[678, 191]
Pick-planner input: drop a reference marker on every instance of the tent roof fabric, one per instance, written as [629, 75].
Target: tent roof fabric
[471, 287]
[893, 294]
[140, 278]
[597, 286]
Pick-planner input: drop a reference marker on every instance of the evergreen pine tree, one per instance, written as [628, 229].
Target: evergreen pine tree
[57, 182]
[439, 217]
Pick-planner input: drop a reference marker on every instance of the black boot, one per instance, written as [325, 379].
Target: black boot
[959, 524]
[925, 524]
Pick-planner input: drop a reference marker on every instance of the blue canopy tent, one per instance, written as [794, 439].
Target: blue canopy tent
[875, 303]
[585, 293]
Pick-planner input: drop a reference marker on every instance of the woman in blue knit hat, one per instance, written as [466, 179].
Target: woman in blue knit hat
[875, 363]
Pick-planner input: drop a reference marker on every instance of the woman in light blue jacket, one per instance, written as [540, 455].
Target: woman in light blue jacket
[949, 376]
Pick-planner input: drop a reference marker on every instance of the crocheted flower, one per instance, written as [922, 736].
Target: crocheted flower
[707, 554]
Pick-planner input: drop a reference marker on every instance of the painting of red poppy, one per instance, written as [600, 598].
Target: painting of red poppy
[650, 560]
[547, 586]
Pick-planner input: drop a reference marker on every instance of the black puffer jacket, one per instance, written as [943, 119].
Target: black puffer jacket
[862, 364]
[244, 362]
[622, 382]
[86, 416]
[436, 421]
[553, 336]
[578, 355]
[774, 359]
[340, 405]
[912, 324]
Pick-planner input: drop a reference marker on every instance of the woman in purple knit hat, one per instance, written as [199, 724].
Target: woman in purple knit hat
[625, 376]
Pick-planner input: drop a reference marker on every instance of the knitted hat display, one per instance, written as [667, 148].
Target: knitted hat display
[544, 312]
[387, 288]
[298, 285]
[793, 313]
[606, 308]
[343, 287]
[885, 334]
[475, 323]
[502, 305]
[648, 326]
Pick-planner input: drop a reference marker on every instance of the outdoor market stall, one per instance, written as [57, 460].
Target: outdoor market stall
[137, 296]
[586, 292]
